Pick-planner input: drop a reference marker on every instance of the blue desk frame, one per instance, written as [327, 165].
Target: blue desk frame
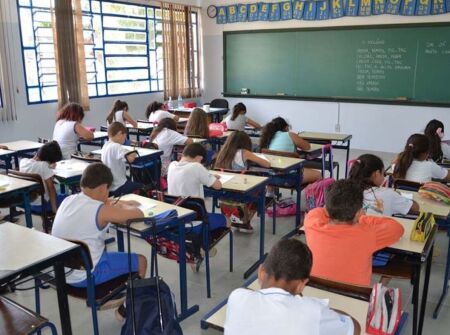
[256, 194]
[444, 223]
[179, 222]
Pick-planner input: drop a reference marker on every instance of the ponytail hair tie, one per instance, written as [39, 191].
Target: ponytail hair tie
[410, 145]
[359, 161]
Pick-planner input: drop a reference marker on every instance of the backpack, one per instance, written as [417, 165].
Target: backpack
[315, 193]
[385, 310]
[217, 129]
[284, 207]
[147, 313]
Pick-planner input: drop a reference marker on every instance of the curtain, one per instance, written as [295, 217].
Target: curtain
[178, 52]
[69, 53]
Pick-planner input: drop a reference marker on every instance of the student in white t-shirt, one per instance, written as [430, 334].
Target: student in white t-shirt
[279, 306]
[157, 111]
[368, 171]
[113, 156]
[68, 129]
[439, 149]
[165, 136]
[42, 164]
[237, 119]
[119, 113]
[86, 217]
[413, 164]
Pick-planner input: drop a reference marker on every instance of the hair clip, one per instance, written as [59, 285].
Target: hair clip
[410, 145]
[359, 161]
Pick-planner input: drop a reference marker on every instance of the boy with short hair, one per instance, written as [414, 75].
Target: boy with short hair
[86, 216]
[43, 164]
[343, 238]
[113, 156]
[279, 307]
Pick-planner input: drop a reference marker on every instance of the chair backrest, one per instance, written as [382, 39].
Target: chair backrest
[30, 177]
[407, 185]
[87, 157]
[280, 153]
[43, 140]
[78, 261]
[219, 103]
[349, 290]
[327, 151]
[195, 204]
[103, 128]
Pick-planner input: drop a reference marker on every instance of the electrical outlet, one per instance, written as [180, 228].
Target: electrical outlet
[337, 128]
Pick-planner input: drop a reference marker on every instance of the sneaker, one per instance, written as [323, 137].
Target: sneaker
[121, 314]
[246, 230]
[195, 267]
[212, 252]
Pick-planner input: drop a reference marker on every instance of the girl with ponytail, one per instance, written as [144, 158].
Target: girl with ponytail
[439, 150]
[157, 111]
[413, 164]
[119, 113]
[368, 171]
[276, 136]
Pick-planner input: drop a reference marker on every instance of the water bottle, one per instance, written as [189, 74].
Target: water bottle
[180, 101]
[170, 103]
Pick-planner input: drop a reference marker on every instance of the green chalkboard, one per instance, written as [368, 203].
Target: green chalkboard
[405, 64]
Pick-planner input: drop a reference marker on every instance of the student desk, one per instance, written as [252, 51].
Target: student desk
[143, 128]
[10, 186]
[352, 306]
[246, 189]
[99, 139]
[42, 251]
[144, 231]
[68, 172]
[22, 148]
[214, 114]
[283, 172]
[342, 141]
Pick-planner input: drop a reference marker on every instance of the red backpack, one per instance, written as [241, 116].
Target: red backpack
[315, 193]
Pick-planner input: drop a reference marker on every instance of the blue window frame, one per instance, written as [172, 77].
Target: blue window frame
[123, 48]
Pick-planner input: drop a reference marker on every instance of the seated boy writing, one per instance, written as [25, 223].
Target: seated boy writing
[113, 156]
[279, 307]
[86, 216]
[343, 239]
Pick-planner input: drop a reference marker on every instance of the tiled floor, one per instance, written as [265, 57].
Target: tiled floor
[223, 282]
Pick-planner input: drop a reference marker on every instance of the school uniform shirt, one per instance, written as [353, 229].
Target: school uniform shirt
[77, 219]
[118, 117]
[29, 165]
[282, 141]
[343, 252]
[113, 156]
[424, 171]
[160, 114]
[445, 150]
[385, 201]
[238, 123]
[186, 179]
[275, 311]
[165, 141]
[64, 133]
[238, 163]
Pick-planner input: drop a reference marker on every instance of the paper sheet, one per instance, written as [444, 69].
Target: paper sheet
[224, 178]
[407, 195]
[3, 182]
[146, 208]
[262, 156]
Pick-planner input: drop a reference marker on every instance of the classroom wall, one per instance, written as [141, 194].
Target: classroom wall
[374, 127]
[38, 120]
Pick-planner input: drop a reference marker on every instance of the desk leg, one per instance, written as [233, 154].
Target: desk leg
[446, 278]
[27, 207]
[426, 283]
[415, 297]
[185, 311]
[347, 158]
[63, 303]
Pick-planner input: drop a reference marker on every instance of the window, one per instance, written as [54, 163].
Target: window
[123, 48]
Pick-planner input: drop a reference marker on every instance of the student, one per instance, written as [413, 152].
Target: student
[279, 306]
[276, 136]
[113, 156]
[413, 164]
[42, 164]
[86, 216]
[165, 136]
[368, 171]
[439, 150]
[157, 111]
[237, 119]
[197, 124]
[237, 152]
[68, 129]
[119, 113]
[342, 238]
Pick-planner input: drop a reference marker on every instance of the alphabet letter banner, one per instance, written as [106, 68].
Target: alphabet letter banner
[326, 9]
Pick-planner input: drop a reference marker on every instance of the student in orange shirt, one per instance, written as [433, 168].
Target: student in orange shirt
[342, 238]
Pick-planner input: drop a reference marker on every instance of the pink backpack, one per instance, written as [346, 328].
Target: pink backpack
[285, 207]
[315, 193]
